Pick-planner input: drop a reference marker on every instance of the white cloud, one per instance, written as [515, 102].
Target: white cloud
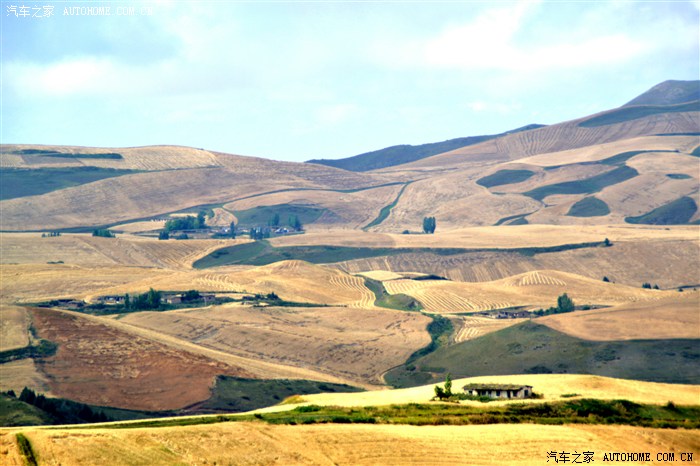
[509, 39]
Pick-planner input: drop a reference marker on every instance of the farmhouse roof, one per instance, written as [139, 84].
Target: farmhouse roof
[494, 386]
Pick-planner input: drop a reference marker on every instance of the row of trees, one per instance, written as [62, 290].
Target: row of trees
[103, 233]
[60, 411]
[564, 304]
[187, 223]
[150, 300]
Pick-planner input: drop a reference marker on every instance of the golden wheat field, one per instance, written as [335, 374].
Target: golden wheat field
[550, 386]
[257, 443]
[677, 317]
[596, 152]
[125, 250]
[517, 236]
[532, 289]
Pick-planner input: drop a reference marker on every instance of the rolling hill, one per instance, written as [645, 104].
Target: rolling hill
[398, 155]
[596, 163]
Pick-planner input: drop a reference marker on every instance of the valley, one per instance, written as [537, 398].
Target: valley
[565, 257]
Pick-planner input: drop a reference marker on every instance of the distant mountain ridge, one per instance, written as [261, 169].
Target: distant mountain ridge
[668, 93]
[671, 94]
[398, 155]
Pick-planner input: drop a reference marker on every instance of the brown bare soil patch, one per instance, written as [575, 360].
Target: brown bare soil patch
[677, 317]
[258, 443]
[353, 344]
[101, 365]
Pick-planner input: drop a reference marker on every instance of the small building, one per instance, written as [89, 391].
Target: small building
[111, 299]
[506, 314]
[498, 390]
[172, 299]
[207, 298]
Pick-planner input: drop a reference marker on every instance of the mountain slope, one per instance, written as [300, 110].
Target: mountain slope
[397, 155]
[668, 93]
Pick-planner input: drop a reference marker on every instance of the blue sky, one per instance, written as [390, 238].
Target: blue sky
[302, 80]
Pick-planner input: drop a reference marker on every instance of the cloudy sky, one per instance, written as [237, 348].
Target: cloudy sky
[301, 80]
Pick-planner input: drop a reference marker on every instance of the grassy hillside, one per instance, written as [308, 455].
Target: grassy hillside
[260, 216]
[589, 207]
[235, 394]
[263, 253]
[585, 186]
[678, 212]
[398, 155]
[531, 348]
[20, 182]
[502, 177]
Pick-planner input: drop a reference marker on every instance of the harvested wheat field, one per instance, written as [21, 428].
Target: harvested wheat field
[31, 283]
[121, 369]
[84, 249]
[597, 152]
[15, 375]
[355, 345]
[669, 264]
[470, 327]
[551, 386]
[516, 236]
[14, 327]
[300, 281]
[257, 443]
[677, 317]
[532, 289]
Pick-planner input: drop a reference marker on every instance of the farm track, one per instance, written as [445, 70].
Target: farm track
[259, 368]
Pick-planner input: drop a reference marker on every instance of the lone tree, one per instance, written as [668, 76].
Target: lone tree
[564, 303]
[429, 224]
[443, 393]
[233, 230]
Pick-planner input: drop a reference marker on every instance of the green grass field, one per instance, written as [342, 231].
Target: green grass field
[678, 212]
[589, 207]
[502, 177]
[234, 395]
[261, 216]
[68, 155]
[586, 186]
[399, 301]
[20, 182]
[386, 210]
[578, 411]
[263, 253]
[531, 348]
